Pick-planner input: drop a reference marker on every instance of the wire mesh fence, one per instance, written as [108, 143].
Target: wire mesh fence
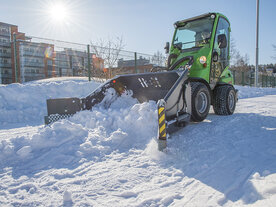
[26, 58]
[247, 78]
[33, 58]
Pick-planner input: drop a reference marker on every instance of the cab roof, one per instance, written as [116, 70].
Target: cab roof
[180, 23]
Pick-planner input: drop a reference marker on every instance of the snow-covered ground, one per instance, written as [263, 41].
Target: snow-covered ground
[110, 157]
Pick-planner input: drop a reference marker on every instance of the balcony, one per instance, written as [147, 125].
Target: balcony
[60, 65]
[3, 75]
[6, 55]
[32, 54]
[5, 65]
[32, 64]
[40, 75]
[5, 44]
[5, 34]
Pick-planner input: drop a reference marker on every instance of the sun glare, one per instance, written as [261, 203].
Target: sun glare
[59, 18]
[58, 13]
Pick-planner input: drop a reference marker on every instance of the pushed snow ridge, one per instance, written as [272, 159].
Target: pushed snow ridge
[87, 135]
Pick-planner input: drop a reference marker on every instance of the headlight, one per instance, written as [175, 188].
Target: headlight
[202, 60]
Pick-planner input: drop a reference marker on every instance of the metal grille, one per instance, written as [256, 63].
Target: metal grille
[55, 117]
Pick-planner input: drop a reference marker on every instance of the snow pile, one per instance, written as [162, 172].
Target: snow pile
[263, 184]
[251, 92]
[113, 130]
[86, 136]
[26, 103]
[52, 146]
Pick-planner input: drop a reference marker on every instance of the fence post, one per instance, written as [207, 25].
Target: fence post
[15, 57]
[253, 79]
[135, 61]
[88, 63]
[242, 78]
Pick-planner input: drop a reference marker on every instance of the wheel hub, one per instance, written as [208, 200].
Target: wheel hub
[231, 100]
[201, 102]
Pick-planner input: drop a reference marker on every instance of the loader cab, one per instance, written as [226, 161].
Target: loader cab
[193, 35]
[206, 39]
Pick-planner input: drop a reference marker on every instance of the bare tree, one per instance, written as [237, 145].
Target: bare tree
[274, 48]
[234, 53]
[238, 61]
[158, 59]
[246, 59]
[109, 50]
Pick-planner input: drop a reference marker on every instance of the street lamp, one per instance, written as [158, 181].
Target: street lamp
[257, 45]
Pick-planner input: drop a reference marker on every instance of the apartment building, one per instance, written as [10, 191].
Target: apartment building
[24, 60]
[143, 65]
[27, 60]
[130, 63]
[5, 53]
[36, 60]
[69, 62]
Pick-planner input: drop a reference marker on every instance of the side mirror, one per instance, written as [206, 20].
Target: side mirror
[222, 41]
[167, 47]
[215, 57]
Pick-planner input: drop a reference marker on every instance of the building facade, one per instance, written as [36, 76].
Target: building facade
[130, 70]
[36, 61]
[23, 60]
[130, 63]
[71, 62]
[5, 53]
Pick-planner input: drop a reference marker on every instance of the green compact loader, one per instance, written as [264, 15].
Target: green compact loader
[197, 76]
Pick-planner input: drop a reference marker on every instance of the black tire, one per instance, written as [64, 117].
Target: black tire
[200, 101]
[224, 102]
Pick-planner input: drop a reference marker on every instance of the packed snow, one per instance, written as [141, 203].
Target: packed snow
[109, 157]
[24, 104]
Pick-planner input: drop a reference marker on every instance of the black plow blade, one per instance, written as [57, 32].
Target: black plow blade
[144, 87]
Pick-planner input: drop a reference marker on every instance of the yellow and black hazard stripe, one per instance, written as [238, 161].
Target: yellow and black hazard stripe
[162, 122]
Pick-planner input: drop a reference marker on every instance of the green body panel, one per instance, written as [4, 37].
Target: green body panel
[198, 70]
[226, 76]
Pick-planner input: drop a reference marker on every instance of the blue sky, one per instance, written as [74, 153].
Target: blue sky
[145, 25]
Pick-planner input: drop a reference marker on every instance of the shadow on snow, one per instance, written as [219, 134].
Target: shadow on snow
[225, 153]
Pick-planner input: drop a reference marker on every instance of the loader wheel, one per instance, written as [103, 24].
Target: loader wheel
[200, 101]
[224, 100]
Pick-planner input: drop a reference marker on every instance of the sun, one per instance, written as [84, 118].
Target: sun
[59, 18]
[58, 12]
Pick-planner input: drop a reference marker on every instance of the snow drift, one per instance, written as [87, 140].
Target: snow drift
[26, 103]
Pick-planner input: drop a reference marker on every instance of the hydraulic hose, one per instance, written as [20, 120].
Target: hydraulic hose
[171, 56]
[172, 67]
